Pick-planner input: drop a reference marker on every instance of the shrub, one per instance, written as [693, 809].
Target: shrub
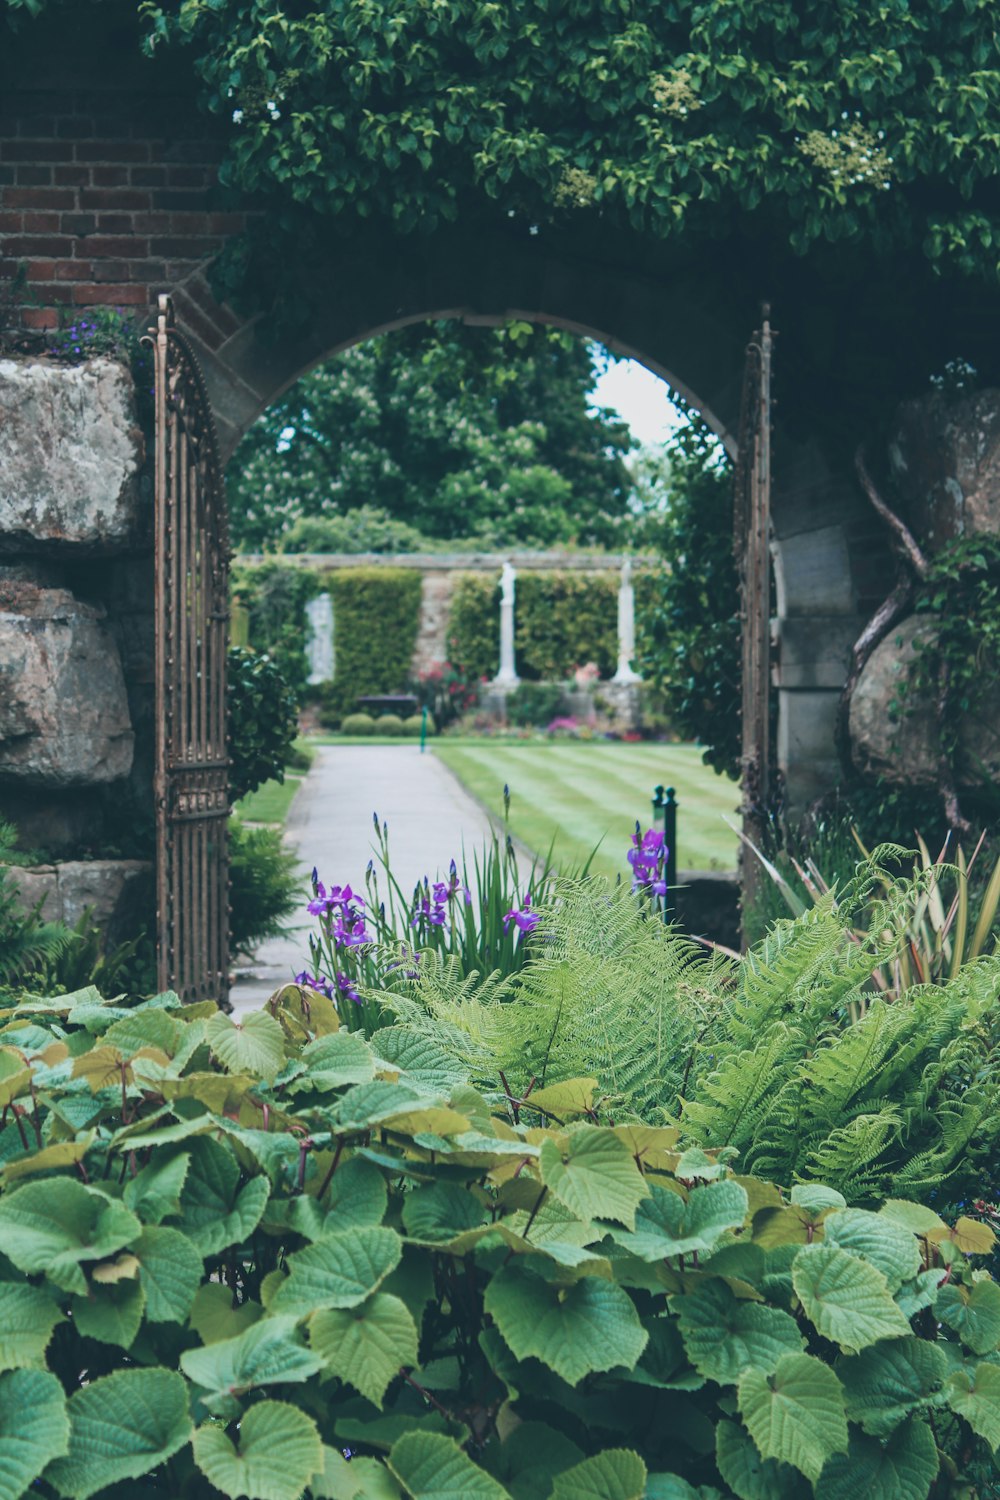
[414, 725]
[474, 625]
[534, 703]
[366, 528]
[235, 1254]
[390, 724]
[357, 724]
[563, 620]
[263, 721]
[377, 611]
[265, 885]
[275, 595]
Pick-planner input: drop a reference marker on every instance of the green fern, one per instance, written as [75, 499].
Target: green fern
[27, 942]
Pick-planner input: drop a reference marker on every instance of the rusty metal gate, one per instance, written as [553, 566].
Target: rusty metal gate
[751, 539]
[192, 610]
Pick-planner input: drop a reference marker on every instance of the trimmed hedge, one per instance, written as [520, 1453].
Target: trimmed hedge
[474, 625]
[377, 614]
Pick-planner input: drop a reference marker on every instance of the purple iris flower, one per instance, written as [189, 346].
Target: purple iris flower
[524, 919]
[648, 858]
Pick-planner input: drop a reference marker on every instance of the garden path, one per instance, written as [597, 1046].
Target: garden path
[430, 816]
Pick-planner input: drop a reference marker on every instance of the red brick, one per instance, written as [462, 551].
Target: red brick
[39, 317]
[27, 244]
[32, 176]
[187, 177]
[43, 270]
[112, 151]
[151, 223]
[110, 176]
[36, 223]
[226, 223]
[189, 248]
[196, 223]
[113, 198]
[33, 151]
[115, 223]
[71, 176]
[53, 292]
[74, 270]
[86, 296]
[114, 270]
[78, 223]
[122, 245]
[148, 176]
[36, 197]
[10, 223]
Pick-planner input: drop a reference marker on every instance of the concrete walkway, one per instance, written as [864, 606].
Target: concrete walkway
[430, 818]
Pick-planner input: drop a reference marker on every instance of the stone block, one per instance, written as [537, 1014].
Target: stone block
[815, 651]
[70, 455]
[118, 892]
[64, 718]
[807, 752]
[944, 456]
[813, 573]
[903, 747]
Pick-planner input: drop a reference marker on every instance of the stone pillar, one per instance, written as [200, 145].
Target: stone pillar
[507, 677]
[319, 646]
[626, 627]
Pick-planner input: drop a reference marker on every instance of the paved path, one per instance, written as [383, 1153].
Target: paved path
[430, 816]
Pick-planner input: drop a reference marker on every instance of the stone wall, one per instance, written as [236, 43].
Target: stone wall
[76, 635]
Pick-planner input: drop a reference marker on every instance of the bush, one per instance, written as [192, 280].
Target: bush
[474, 625]
[357, 724]
[414, 725]
[390, 724]
[563, 620]
[377, 611]
[534, 704]
[366, 528]
[265, 885]
[275, 595]
[256, 1247]
[263, 721]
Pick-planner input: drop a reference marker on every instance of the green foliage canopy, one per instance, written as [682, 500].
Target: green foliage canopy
[263, 721]
[828, 121]
[458, 432]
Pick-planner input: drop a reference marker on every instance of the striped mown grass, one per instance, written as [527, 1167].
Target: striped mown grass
[578, 793]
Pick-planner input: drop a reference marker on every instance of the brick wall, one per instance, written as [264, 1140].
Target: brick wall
[108, 191]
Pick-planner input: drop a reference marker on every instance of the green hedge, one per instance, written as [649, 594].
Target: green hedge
[274, 596]
[474, 625]
[376, 614]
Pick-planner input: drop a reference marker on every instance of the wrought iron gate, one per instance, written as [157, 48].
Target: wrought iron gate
[192, 611]
[751, 540]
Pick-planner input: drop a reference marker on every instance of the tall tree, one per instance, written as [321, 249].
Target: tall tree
[460, 432]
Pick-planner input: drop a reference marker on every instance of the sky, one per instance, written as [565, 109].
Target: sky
[639, 397]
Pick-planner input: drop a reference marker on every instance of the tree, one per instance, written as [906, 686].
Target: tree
[690, 627]
[458, 432]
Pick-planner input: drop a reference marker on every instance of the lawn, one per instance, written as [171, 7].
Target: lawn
[271, 801]
[580, 793]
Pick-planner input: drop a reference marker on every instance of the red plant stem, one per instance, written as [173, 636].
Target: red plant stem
[17, 1118]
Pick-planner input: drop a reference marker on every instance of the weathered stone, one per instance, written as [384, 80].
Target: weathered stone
[903, 747]
[944, 455]
[70, 453]
[64, 717]
[118, 892]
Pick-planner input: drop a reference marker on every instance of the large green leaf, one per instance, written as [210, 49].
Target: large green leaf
[339, 1271]
[34, 1428]
[170, 1269]
[335, 1062]
[893, 1249]
[269, 1352]
[423, 1063]
[845, 1298]
[746, 1473]
[356, 1195]
[278, 1452]
[903, 1468]
[973, 1313]
[366, 1345]
[796, 1415]
[57, 1225]
[975, 1395]
[432, 1467]
[591, 1325]
[886, 1383]
[441, 1211]
[255, 1044]
[723, 1335]
[217, 1212]
[145, 1028]
[214, 1315]
[121, 1426]
[668, 1225]
[155, 1192]
[27, 1318]
[593, 1173]
[111, 1314]
[615, 1474]
[529, 1458]
[353, 1479]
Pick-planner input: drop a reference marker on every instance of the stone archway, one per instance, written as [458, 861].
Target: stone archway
[682, 326]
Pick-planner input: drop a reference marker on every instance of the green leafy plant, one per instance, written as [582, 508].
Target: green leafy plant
[268, 1259]
[27, 941]
[357, 724]
[390, 724]
[263, 721]
[534, 704]
[265, 885]
[274, 595]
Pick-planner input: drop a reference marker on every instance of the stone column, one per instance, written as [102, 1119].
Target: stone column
[507, 675]
[319, 646]
[626, 627]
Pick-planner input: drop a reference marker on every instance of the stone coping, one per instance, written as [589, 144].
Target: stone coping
[450, 562]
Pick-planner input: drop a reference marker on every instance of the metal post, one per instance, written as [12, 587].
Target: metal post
[423, 729]
[665, 811]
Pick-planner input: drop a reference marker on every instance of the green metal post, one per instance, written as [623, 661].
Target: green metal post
[423, 729]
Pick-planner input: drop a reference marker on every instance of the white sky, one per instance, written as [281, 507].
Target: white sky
[640, 398]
